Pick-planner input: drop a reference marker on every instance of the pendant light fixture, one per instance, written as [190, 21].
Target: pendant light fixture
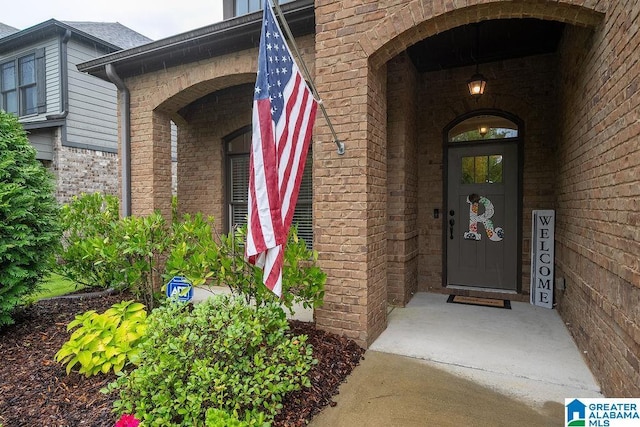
[477, 83]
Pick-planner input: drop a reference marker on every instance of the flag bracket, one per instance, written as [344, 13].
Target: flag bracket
[339, 144]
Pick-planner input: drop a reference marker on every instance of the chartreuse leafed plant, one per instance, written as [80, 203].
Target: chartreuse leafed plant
[219, 355]
[219, 418]
[29, 226]
[107, 341]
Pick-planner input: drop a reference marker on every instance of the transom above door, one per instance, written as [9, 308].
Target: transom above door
[482, 231]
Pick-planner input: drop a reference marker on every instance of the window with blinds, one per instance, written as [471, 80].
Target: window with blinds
[238, 186]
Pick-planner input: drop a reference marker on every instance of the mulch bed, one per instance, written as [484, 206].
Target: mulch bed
[36, 391]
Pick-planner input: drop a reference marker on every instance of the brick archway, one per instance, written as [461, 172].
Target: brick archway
[418, 20]
[173, 98]
[356, 46]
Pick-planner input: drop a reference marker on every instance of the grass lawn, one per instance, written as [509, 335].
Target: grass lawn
[55, 285]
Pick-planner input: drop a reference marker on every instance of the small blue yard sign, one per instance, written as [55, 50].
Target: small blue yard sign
[181, 288]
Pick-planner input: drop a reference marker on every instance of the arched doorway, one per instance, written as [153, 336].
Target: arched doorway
[483, 202]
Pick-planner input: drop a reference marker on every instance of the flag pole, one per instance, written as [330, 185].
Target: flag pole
[307, 75]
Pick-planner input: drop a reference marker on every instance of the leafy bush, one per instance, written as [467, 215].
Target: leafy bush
[219, 418]
[220, 354]
[194, 252]
[105, 341]
[29, 227]
[88, 222]
[100, 249]
[129, 253]
[142, 243]
[199, 257]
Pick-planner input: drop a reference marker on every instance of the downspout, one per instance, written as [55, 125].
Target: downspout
[125, 137]
[64, 79]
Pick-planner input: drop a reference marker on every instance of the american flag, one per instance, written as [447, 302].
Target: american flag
[284, 111]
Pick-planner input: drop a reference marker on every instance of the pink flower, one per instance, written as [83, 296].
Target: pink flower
[127, 420]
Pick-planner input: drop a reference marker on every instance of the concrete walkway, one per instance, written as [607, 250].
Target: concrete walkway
[388, 390]
[447, 364]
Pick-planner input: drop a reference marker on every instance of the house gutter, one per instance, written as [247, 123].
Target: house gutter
[64, 79]
[223, 37]
[125, 136]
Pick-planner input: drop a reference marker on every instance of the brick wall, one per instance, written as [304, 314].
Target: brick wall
[156, 99]
[597, 232]
[79, 171]
[201, 177]
[350, 193]
[181, 94]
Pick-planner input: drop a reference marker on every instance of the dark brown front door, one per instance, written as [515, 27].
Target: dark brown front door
[482, 216]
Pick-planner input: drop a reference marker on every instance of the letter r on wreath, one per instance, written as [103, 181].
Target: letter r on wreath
[494, 234]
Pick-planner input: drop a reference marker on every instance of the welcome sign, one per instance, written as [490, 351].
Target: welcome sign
[542, 257]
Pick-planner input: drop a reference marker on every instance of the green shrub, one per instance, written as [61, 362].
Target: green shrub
[29, 223]
[199, 257]
[105, 341]
[219, 354]
[88, 222]
[194, 252]
[142, 242]
[100, 249]
[219, 418]
[128, 253]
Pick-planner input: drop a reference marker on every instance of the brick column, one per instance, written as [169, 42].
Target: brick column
[402, 228]
[350, 190]
[150, 163]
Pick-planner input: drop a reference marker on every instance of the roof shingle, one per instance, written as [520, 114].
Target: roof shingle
[111, 32]
[6, 30]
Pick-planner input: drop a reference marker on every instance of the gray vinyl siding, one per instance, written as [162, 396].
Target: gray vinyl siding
[52, 80]
[54, 85]
[92, 119]
[42, 140]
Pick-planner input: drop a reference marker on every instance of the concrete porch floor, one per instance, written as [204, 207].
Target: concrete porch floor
[526, 353]
[440, 364]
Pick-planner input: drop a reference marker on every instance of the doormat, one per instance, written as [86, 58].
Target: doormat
[486, 302]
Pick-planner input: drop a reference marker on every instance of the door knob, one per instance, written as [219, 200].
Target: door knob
[451, 224]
